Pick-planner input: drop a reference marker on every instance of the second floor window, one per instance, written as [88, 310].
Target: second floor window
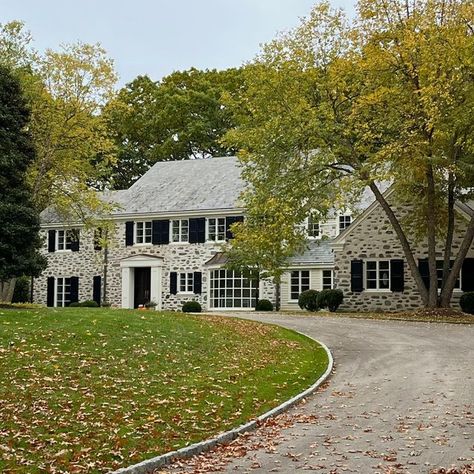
[216, 229]
[65, 238]
[313, 228]
[344, 222]
[180, 230]
[299, 282]
[143, 232]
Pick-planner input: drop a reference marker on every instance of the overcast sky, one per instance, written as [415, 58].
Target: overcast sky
[156, 37]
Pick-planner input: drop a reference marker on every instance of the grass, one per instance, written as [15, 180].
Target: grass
[91, 390]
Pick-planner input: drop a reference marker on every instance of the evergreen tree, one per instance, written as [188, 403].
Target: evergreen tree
[19, 220]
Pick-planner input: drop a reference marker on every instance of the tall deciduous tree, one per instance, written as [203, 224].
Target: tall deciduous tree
[335, 106]
[179, 117]
[19, 222]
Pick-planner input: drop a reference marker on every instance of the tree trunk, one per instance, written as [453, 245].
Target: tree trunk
[447, 291]
[431, 233]
[403, 241]
[448, 244]
[7, 288]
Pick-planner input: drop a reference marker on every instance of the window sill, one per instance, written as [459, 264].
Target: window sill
[143, 245]
[180, 243]
[63, 251]
[378, 292]
[185, 293]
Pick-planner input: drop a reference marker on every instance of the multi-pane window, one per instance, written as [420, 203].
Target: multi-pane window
[328, 279]
[64, 239]
[299, 282]
[378, 274]
[313, 228]
[143, 232]
[63, 291]
[186, 282]
[439, 272]
[216, 229]
[180, 230]
[229, 289]
[344, 222]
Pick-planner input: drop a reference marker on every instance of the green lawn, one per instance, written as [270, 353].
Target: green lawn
[90, 390]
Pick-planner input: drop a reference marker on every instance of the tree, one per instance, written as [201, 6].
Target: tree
[179, 117]
[19, 221]
[334, 106]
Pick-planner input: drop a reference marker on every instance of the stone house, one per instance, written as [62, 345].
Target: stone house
[167, 248]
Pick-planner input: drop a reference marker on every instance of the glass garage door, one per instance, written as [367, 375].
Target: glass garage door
[231, 290]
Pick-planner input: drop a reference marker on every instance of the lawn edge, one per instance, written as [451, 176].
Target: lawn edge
[149, 465]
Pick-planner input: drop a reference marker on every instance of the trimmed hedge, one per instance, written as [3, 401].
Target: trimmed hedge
[264, 305]
[191, 307]
[84, 304]
[330, 299]
[309, 300]
[467, 302]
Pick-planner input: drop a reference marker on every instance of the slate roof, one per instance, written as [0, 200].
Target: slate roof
[317, 252]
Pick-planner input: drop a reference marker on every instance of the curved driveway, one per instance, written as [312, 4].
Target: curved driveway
[400, 400]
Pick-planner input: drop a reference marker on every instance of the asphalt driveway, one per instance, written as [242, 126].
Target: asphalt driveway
[401, 400]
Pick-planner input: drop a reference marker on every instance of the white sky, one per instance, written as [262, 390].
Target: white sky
[156, 37]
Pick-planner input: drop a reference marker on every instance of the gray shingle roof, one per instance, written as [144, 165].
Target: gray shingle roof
[189, 185]
[317, 252]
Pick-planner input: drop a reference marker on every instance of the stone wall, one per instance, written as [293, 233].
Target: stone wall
[374, 238]
[86, 264]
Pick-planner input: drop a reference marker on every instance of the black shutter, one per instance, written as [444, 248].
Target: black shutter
[74, 235]
[397, 277]
[228, 222]
[197, 282]
[357, 276]
[467, 275]
[50, 296]
[160, 232]
[129, 233]
[424, 269]
[96, 289]
[51, 240]
[74, 289]
[98, 238]
[173, 283]
[197, 230]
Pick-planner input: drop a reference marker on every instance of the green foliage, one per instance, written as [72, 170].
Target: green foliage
[182, 116]
[467, 302]
[309, 300]
[19, 220]
[21, 293]
[191, 307]
[264, 305]
[330, 299]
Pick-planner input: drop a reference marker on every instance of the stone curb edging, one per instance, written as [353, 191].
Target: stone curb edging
[149, 465]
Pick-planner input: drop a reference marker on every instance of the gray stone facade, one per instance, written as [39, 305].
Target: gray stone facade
[374, 238]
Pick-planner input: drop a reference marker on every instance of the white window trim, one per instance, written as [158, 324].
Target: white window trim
[189, 275]
[312, 237]
[207, 230]
[142, 244]
[180, 241]
[338, 221]
[56, 290]
[290, 300]
[211, 299]
[378, 290]
[57, 249]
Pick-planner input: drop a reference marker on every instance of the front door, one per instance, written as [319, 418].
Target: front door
[142, 286]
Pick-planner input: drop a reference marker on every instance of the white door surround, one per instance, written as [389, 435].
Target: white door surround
[128, 265]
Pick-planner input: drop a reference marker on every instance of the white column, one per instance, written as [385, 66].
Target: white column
[127, 288]
[155, 284]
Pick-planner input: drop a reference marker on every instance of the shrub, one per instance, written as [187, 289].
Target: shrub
[467, 302]
[191, 307]
[330, 299]
[150, 305]
[106, 304]
[264, 305]
[21, 294]
[308, 300]
[84, 304]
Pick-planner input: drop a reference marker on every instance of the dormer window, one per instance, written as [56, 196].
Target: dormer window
[313, 229]
[180, 230]
[143, 232]
[344, 222]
